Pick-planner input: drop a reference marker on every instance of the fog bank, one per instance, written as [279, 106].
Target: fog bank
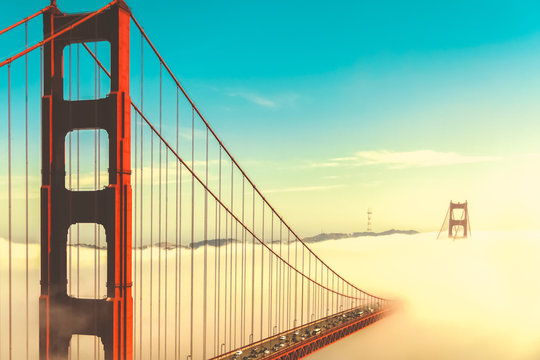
[471, 298]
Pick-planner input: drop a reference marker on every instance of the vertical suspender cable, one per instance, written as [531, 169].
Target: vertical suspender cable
[314, 309]
[98, 69]
[309, 290]
[333, 295]
[262, 271]
[243, 273]
[295, 281]
[70, 232]
[192, 223]
[235, 308]
[70, 240]
[321, 293]
[141, 212]
[227, 285]
[318, 293]
[278, 294]
[166, 250]
[235, 282]
[151, 325]
[253, 268]
[327, 306]
[289, 290]
[270, 273]
[179, 221]
[205, 251]
[216, 278]
[95, 188]
[26, 162]
[159, 224]
[280, 313]
[277, 283]
[135, 286]
[219, 260]
[302, 296]
[176, 347]
[231, 264]
[9, 210]
[321, 297]
[135, 282]
[78, 188]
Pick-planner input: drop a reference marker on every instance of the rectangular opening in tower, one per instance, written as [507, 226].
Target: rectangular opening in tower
[84, 79]
[458, 231]
[87, 159]
[86, 261]
[86, 347]
[458, 214]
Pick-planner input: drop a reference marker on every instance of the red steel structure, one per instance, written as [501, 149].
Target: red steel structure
[62, 316]
[459, 225]
[305, 348]
[454, 223]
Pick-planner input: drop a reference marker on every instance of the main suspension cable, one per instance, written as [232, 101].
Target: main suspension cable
[25, 20]
[52, 37]
[194, 107]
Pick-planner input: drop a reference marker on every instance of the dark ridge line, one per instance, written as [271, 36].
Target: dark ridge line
[223, 242]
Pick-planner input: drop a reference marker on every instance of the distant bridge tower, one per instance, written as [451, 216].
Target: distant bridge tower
[369, 213]
[454, 224]
[62, 315]
[458, 226]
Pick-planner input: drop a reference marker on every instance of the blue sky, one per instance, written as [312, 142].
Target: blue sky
[343, 106]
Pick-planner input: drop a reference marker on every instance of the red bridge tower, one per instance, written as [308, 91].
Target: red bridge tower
[454, 223]
[61, 315]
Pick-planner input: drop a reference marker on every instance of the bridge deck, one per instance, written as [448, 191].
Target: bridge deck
[301, 341]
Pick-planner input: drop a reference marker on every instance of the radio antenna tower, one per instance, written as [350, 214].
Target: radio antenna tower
[369, 213]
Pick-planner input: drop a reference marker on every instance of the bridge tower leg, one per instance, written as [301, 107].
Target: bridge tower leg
[62, 315]
[454, 223]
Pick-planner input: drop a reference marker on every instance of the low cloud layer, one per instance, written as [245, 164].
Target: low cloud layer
[474, 298]
[466, 299]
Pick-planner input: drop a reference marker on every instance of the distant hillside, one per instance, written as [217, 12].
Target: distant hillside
[223, 242]
[337, 236]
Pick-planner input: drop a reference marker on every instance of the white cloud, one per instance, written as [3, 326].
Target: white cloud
[254, 98]
[275, 101]
[405, 159]
[419, 158]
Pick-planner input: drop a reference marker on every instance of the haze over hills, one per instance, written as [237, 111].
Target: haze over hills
[338, 236]
[471, 299]
[309, 239]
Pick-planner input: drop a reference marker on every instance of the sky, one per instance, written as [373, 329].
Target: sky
[334, 109]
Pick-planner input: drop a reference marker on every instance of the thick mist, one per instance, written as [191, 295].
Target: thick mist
[473, 298]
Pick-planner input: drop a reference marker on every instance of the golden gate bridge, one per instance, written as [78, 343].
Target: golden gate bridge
[154, 243]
